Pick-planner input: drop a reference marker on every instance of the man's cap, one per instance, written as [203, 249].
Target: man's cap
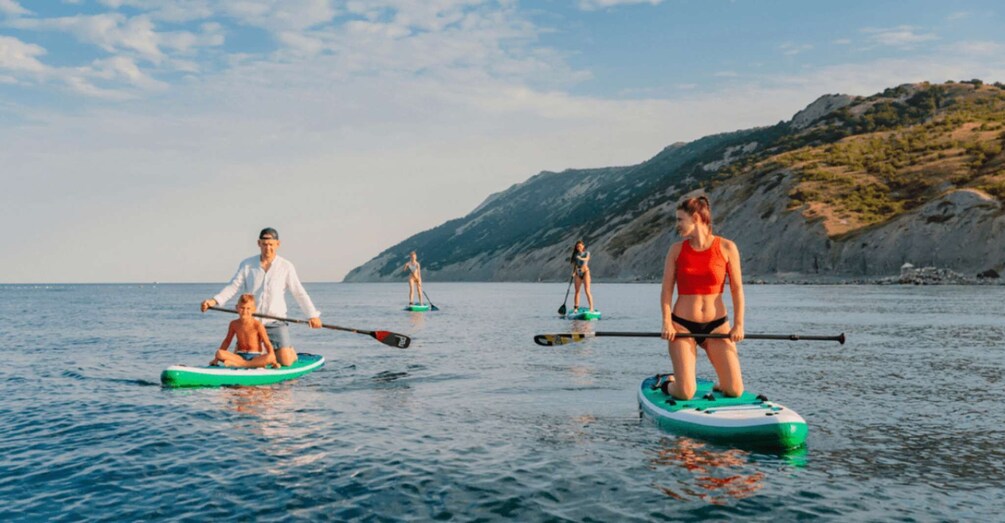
[268, 231]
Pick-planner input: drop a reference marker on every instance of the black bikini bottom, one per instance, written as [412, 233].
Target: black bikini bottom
[700, 328]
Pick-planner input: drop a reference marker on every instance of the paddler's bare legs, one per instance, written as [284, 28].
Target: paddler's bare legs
[575, 295]
[228, 358]
[683, 354]
[413, 285]
[231, 359]
[722, 354]
[583, 283]
[286, 356]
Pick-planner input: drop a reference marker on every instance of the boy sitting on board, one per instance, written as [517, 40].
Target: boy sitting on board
[251, 338]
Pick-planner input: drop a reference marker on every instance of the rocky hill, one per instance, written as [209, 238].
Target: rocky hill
[850, 187]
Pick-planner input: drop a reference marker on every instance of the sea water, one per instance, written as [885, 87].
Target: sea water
[476, 422]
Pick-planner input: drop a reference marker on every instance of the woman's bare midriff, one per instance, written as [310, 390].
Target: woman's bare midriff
[700, 308]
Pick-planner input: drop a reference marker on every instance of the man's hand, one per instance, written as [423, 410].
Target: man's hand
[315, 323]
[207, 304]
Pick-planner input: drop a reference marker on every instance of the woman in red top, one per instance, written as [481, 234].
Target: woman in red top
[698, 265]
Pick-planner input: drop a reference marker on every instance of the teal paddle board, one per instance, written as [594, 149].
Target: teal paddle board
[583, 314]
[415, 307]
[185, 376]
[749, 420]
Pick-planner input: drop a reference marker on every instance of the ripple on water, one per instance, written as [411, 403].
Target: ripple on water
[474, 421]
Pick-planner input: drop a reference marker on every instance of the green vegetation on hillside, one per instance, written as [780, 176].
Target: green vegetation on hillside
[854, 167]
[902, 150]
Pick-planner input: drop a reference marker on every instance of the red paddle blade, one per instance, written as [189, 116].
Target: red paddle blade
[399, 341]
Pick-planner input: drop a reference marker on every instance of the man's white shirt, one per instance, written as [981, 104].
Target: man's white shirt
[268, 287]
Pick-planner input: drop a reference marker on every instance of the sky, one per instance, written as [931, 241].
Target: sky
[145, 141]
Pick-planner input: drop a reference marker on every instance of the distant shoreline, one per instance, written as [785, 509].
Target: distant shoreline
[752, 280]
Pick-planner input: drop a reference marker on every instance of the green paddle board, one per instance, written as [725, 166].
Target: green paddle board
[583, 314]
[415, 307]
[749, 420]
[185, 376]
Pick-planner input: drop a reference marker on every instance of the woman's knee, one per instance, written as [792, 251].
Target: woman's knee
[684, 391]
[733, 390]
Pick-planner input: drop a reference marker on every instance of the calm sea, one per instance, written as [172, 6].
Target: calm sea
[475, 422]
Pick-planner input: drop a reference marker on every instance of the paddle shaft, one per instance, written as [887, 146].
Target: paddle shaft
[291, 320]
[562, 309]
[722, 335]
[561, 339]
[385, 337]
[430, 302]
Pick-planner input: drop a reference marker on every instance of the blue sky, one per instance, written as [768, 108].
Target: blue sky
[149, 141]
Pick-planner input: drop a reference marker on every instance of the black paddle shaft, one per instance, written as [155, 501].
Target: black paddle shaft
[549, 340]
[562, 309]
[790, 337]
[431, 306]
[391, 339]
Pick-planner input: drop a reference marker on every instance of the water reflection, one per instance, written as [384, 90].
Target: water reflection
[258, 401]
[276, 414]
[582, 376]
[582, 327]
[417, 319]
[715, 475]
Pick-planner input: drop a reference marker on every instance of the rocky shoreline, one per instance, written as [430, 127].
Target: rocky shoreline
[909, 275]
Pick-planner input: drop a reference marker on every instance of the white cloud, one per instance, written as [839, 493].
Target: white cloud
[123, 68]
[958, 15]
[80, 84]
[21, 59]
[300, 43]
[174, 11]
[842, 41]
[110, 31]
[116, 33]
[11, 7]
[985, 48]
[458, 95]
[593, 5]
[20, 56]
[792, 49]
[280, 15]
[904, 36]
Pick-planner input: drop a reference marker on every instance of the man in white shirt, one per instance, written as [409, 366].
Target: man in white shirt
[268, 276]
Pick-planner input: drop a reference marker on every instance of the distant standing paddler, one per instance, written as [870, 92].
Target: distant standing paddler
[414, 278]
[698, 265]
[581, 274]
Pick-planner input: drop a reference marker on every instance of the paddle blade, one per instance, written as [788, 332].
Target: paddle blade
[550, 340]
[561, 310]
[433, 307]
[398, 341]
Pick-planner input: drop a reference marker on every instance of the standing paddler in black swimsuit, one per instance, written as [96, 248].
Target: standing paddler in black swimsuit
[581, 274]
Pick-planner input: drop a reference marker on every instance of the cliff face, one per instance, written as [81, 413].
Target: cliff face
[851, 187]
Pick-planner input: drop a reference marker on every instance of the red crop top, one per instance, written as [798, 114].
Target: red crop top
[701, 272]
